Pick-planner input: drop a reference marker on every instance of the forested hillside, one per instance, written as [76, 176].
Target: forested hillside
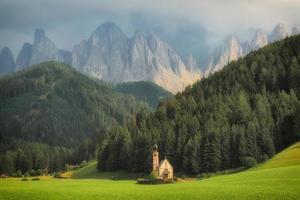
[50, 114]
[236, 117]
[145, 91]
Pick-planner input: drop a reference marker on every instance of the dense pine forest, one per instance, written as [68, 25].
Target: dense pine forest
[51, 115]
[235, 118]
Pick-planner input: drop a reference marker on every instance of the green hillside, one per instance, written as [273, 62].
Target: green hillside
[265, 182]
[145, 91]
[288, 157]
[52, 112]
[239, 116]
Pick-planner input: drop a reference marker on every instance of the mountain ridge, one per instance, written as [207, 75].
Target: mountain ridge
[226, 53]
[140, 58]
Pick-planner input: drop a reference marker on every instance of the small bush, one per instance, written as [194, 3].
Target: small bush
[153, 175]
[27, 174]
[13, 175]
[32, 172]
[19, 173]
[183, 176]
[206, 175]
[263, 158]
[24, 179]
[35, 179]
[39, 172]
[58, 175]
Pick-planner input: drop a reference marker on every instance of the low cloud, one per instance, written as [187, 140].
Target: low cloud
[67, 22]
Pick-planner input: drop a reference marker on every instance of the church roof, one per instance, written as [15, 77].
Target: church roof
[161, 162]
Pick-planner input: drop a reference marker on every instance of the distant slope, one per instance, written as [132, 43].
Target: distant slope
[54, 104]
[288, 157]
[145, 91]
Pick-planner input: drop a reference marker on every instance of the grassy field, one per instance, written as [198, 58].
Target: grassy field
[278, 178]
[90, 172]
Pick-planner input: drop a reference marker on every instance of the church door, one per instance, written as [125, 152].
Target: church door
[165, 174]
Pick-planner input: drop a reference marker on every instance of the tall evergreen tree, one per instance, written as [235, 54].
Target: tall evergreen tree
[190, 158]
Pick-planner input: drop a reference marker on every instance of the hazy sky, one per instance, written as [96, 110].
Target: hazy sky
[68, 22]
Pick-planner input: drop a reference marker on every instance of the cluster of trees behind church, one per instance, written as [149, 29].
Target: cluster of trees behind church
[237, 117]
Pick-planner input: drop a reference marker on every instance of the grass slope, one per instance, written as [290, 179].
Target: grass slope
[288, 157]
[278, 178]
[90, 172]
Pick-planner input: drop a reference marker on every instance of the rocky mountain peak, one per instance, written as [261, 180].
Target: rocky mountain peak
[111, 56]
[107, 34]
[154, 41]
[24, 56]
[233, 49]
[43, 49]
[259, 40]
[7, 62]
[280, 31]
[80, 54]
[139, 35]
[39, 35]
[6, 51]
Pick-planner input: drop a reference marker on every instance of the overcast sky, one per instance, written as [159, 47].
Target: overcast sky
[68, 22]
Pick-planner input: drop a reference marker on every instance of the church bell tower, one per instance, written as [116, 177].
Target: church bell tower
[155, 158]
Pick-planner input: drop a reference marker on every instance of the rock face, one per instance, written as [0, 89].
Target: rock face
[7, 62]
[42, 50]
[80, 55]
[279, 32]
[111, 56]
[231, 50]
[260, 40]
[191, 63]
[66, 56]
[24, 56]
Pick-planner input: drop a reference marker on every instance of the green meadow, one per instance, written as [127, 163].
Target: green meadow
[278, 178]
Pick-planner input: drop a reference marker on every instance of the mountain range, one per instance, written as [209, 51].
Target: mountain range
[110, 55]
[233, 48]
